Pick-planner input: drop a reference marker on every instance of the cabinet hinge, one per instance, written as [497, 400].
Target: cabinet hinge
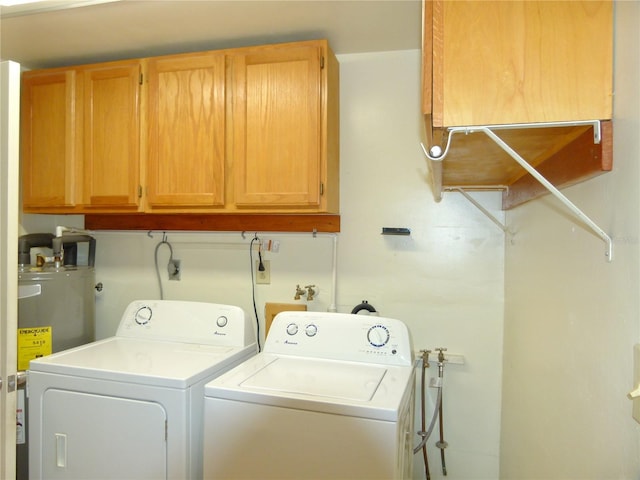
[321, 63]
[140, 79]
[321, 188]
[139, 191]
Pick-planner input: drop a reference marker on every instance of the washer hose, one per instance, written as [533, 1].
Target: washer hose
[162, 242]
[426, 433]
[441, 444]
[364, 306]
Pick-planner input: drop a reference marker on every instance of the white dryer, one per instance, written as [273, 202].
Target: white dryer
[329, 397]
[131, 406]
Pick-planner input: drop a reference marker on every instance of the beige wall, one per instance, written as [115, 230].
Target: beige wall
[571, 318]
[445, 280]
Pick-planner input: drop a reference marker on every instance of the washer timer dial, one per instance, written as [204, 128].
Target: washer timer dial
[143, 315]
[222, 321]
[378, 335]
[311, 330]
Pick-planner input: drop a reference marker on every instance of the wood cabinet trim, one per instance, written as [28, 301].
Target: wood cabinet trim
[325, 223]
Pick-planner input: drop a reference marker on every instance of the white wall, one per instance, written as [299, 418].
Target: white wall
[445, 280]
[572, 318]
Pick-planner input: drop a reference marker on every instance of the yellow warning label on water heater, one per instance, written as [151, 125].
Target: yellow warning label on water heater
[34, 342]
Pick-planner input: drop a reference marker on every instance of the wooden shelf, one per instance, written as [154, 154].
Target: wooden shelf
[324, 223]
[517, 63]
[563, 155]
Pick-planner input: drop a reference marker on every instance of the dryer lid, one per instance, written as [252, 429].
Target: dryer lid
[144, 362]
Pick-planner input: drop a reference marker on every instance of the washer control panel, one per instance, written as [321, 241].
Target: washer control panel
[341, 337]
[378, 335]
[190, 322]
[142, 315]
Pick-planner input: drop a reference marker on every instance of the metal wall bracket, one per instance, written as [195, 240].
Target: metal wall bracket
[436, 154]
[477, 204]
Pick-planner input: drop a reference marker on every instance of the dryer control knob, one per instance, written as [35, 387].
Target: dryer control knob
[143, 315]
[292, 329]
[378, 335]
[311, 330]
[222, 321]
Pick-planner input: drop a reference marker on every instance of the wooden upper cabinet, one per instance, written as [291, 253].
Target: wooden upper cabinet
[111, 94]
[49, 140]
[246, 130]
[497, 62]
[518, 62]
[283, 115]
[186, 131]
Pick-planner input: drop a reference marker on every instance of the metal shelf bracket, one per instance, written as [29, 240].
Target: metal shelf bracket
[436, 154]
[477, 204]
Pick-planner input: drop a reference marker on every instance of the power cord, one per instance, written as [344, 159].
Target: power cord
[253, 283]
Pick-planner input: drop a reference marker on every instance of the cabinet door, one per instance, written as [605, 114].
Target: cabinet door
[50, 140]
[185, 164]
[276, 111]
[112, 136]
[518, 62]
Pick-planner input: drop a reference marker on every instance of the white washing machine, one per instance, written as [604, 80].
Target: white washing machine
[329, 397]
[131, 406]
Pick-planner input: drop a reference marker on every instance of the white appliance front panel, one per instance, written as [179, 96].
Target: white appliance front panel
[254, 441]
[184, 407]
[338, 380]
[147, 362]
[118, 437]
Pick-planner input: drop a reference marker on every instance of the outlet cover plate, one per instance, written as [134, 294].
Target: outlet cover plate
[636, 381]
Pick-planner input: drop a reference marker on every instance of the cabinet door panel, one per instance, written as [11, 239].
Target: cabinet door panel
[185, 166]
[112, 136]
[277, 97]
[49, 139]
[519, 61]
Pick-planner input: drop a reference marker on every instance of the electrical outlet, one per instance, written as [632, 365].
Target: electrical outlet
[636, 382]
[174, 269]
[263, 277]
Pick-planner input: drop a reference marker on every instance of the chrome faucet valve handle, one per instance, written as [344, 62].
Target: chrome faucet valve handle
[440, 351]
[299, 292]
[310, 291]
[425, 358]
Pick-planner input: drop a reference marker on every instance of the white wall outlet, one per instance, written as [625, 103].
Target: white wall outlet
[636, 381]
[263, 277]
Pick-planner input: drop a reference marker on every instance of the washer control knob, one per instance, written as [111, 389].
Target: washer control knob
[311, 330]
[222, 321]
[378, 335]
[143, 315]
[292, 329]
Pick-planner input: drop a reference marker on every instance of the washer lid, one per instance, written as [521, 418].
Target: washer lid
[146, 362]
[342, 381]
[357, 389]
